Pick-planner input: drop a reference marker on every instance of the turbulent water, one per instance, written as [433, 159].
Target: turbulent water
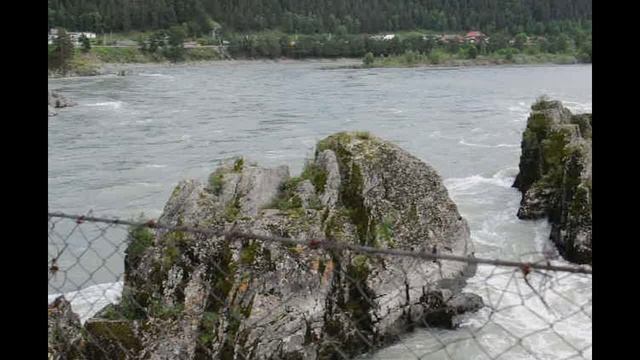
[130, 139]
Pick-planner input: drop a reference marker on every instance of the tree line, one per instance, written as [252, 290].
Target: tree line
[320, 16]
[276, 45]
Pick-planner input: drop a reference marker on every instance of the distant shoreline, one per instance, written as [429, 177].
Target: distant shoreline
[331, 64]
[106, 68]
[454, 65]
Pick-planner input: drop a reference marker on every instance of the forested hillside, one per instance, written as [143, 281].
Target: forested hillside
[321, 16]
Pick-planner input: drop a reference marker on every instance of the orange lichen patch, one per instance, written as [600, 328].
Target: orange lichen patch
[315, 264]
[327, 272]
[243, 286]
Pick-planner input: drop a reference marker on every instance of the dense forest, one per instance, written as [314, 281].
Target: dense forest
[320, 16]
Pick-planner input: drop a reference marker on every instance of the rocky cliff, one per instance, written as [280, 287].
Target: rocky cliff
[189, 296]
[555, 176]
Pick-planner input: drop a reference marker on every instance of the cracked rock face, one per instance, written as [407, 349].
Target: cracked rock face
[555, 176]
[193, 296]
[64, 330]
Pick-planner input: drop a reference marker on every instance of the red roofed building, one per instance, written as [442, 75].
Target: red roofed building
[475, 37]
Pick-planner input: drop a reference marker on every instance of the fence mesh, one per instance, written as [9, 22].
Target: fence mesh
[534, 309]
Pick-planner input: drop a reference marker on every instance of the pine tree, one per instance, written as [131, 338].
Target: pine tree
[86, 43]
[368, 59]
[175, 49]
[472, 52]
[62, 52]
[323, 16]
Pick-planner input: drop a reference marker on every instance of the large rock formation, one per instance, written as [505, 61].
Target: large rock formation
[555, 176]
[189, 296]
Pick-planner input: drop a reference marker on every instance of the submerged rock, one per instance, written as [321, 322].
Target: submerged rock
[57, 101]
[192, 296]
[555, 176]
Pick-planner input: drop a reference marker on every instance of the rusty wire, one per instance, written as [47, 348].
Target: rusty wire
[533, 283]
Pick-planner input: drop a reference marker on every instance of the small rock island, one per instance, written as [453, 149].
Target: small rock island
[555, 176]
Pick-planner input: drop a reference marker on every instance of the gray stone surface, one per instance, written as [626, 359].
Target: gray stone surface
[217, 297]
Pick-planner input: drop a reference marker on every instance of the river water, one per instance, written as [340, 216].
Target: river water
[130, 139]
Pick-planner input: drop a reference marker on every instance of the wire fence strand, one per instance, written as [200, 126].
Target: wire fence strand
[535, 310]
[329, 244]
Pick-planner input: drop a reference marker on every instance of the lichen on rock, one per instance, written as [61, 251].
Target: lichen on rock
[555, 176]
[219, 297]
[65, 338]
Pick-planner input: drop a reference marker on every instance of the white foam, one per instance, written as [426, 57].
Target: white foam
[508, 173]
[148, 184]
[156, 166]
[90, 300]
[577, 107]
[112, 104]
[508, 145]
[156, 75]
[463, 142]
[461, 185]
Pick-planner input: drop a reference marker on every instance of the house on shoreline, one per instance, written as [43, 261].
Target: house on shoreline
[386, 37]
[471, 37]
[75, 36]
[475, 37]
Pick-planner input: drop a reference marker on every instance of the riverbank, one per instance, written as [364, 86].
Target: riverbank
[128, 61]
[101, 59]
[443, 59]
[111, 69]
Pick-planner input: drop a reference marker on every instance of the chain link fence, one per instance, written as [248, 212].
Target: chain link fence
[534, 309]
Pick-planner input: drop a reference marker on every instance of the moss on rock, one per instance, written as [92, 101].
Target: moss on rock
[316, 175]
[555, 163]
[139, 238]
[112, 339]
[216, 181]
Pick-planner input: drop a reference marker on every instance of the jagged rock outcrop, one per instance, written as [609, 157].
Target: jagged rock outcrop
[65, 340]
[190, 296]
[555, 176]
[57, 101]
